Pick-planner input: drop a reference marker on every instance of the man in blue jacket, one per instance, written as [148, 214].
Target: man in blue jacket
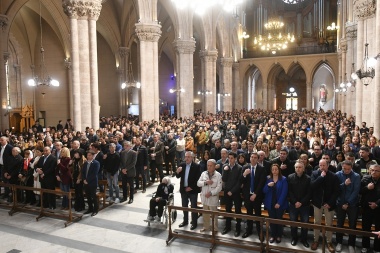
[90, 172]
[347, 203]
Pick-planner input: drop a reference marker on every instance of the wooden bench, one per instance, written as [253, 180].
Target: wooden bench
[102, 195]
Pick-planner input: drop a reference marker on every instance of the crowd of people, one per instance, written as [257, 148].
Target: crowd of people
[301, 162]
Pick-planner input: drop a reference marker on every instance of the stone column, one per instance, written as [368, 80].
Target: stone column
[83, 15]
[208, 58]
[122, 71]
[309, 92]
[93, 15]
[4, 124]
[237, 94]
[226, 67]
[148, 35]
[359, 61]
[343, 48]
[267, 92]
[185, 75]
[70, 90]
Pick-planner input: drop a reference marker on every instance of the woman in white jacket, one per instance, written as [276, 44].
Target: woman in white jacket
[211, 183]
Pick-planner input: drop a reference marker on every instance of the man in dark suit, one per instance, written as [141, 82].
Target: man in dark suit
[12, 170]
[254, 177]
[90, 171]
[46, 169]
[5, 156]
[128, 158]
[232, 181]
[264, 163]
[170, 148]
[141, 163]
[285, 164]
[98, 156]
[156, 149]
[189, 172]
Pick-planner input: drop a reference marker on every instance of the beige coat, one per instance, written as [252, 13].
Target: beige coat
[215, 188]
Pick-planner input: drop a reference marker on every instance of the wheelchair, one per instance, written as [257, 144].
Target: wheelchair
[165, 216]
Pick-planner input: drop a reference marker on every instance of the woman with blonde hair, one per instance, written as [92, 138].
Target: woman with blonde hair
[37, 155]
[63, 175]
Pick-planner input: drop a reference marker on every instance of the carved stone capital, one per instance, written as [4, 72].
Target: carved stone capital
[236, 66]
[226, 62]
[209, 55]
[82, 9]
[68, 63]
[3, 22]
[148, 32]
[351, 29]
[6, 56]
[364, 9]
[184, 46]
[343, 46]
[123, 52]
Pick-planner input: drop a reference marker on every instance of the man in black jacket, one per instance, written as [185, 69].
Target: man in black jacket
[189, 172]
[232, 181]
[5, 156]
[286, 166]
[14, 166]
[324, 193]
[141, 163]
[170, 147]
[254, 177]
[299, 194]
[111, 166]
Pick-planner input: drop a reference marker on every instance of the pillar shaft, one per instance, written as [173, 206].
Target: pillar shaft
[376, 106]
[308, 95]
[208, 58]
[359, 61]
[226, 66]
[148, 35]
[237, 93]
[4, 124]
[185, 75]
[94, 73]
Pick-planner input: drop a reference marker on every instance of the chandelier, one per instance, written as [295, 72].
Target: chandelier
[204, 91]
[44, 77]
[131, 80]
[275, 40]
[367, 72]
[344, 85]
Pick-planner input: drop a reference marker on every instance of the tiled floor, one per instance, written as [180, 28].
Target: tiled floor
[118, 228]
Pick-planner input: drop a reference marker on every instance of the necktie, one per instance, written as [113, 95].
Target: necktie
[252, 178]
[88, 168]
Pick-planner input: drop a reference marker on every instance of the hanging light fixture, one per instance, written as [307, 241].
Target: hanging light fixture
[44, 77]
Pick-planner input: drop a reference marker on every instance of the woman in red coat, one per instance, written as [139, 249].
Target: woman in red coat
[63, 175]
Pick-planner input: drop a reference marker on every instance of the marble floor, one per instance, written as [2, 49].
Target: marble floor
[117, 228]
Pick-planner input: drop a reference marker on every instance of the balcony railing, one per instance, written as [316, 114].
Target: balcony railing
[302, 50]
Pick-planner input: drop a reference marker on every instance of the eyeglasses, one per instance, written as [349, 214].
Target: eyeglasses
[375, 170]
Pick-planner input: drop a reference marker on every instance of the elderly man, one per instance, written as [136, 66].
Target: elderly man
[156, 149]
[12, 170]
[211, 183]
[324, 193]
[5, 156]
[128, 159]
[348, 203]
[222, 161]
[299, 193]
[189, 172]
[370, 201]
[275, 152]
[170, 148]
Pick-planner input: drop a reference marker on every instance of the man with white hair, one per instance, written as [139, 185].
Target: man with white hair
[160, 199]
[5, 155]
[211, 183]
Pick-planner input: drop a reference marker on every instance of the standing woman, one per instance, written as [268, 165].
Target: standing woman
[63, 175]
[276, 191]
[26, 177]
[77, 164]
[37, 155]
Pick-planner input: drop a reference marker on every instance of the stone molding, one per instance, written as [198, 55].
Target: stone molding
[236, 66]
[184, 46]
[351, 30]
[148, 32]
[209, 55]
[364, 9]
[82, 9]
[343, 46]
[226, 62]
[3, 22]
[123, 52]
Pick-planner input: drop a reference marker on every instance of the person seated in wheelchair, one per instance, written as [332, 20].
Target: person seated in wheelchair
[160, 199]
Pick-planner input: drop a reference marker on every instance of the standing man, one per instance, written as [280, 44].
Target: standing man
[232, 182]
[170, 148]
[111, 166]
[5, 156]
[211, 183]
[254, 177]
[128, 159]
[324, 193]
[141, 163]
[46, 169]
[12, 170]
[370, 201]
[286, 166]
[189, 172]
[299, 194]
[90, 171]
[348, 203]
[156, 149]
[98, 156]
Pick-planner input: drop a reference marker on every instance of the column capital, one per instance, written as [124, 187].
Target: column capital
[351, 29]
[3, 22]
[364, 9]
[68, 63]
[6, 56]
[148, 32]
[236, 66]
[226, 62]
[123, 52]
[343, 45]
[184, 46]
[82, 9]
[209, 55]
